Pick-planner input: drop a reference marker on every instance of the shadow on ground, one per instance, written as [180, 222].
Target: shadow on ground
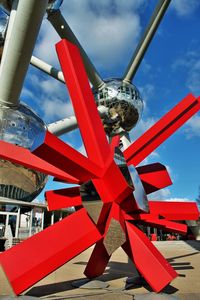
[118, 270]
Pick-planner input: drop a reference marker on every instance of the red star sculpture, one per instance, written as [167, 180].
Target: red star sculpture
[124, 201]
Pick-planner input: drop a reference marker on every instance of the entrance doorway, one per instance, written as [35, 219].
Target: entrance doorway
[9, 218]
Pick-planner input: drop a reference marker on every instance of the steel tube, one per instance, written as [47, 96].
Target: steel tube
[19, 49]
[68, 124]
[48, 69]
[65, 32]
[146, 40]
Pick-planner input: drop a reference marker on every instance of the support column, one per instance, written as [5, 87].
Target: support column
[17, 223]
[52, 218]
[42, 223]
[19, 47]
[30, 222]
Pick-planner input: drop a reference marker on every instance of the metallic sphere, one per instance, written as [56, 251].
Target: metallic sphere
[124, 105]
[20, 127]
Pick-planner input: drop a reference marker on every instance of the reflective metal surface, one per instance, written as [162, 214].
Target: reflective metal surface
[124, 105]
[20, 127]
[115, 237]
[139, 192]
[133, 179]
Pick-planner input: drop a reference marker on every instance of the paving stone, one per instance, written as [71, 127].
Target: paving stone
[154, 296]
[90, 284]
[17, 298]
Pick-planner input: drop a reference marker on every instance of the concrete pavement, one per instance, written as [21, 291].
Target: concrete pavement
[183, 256]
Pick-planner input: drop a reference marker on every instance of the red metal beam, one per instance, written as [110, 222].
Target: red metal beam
[58, 199]
[30, 261]
[148, 260]
[154, 177]
[162, 130]
[56, 152]
[174, 210]
[24, 157]
[89, 121]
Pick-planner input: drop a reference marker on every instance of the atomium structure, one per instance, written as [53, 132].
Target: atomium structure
[110, 171]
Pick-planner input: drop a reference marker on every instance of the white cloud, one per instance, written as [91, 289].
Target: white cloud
[45, 47]
[190, 63]
[146, 92]
[52, 87]
[82, 150]
[160, 195]
[50, 98]
[151, 158]
[180, 200]
[193, 80]
[56, 109]
[107, 29]
[185, 7]
[145, 67]
[192, 127]
[141, 127]
[163, 195]
[26, 94]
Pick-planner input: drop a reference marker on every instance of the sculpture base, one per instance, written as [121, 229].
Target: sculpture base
[154, 296]
[17, 298]
[134, 282]
[90, 284]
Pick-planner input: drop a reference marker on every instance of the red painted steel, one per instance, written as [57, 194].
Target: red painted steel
[59, 243]
[98, 261]
[36, 257]
[24, 157]
[156, 222]
[100, 258]
[148, 260]
[174, 210]
[63, 156]
[63, 198]
[89, 121]
[161, 130]
[114, 143]
[154, 177]
[112, 186]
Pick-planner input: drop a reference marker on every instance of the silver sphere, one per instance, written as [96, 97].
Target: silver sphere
[124, 105]
[20, 127]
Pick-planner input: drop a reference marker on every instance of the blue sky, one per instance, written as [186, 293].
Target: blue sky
[109, 31]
